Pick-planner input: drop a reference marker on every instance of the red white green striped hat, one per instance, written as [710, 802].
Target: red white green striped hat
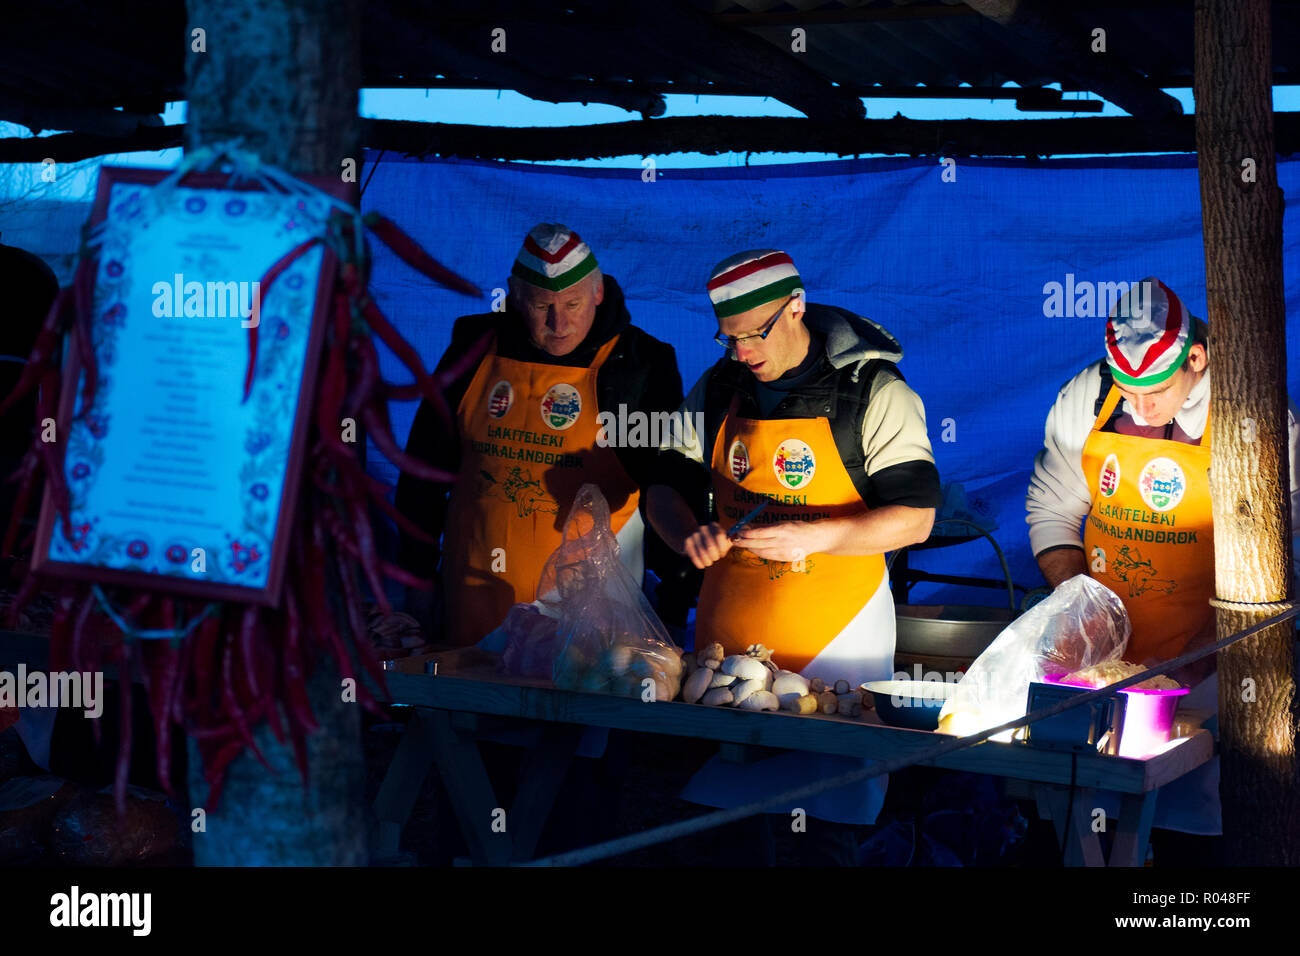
[553, 257]
[750, 279]
[1148, 334]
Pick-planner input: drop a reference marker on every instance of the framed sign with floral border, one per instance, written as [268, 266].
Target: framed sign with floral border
[183, 472]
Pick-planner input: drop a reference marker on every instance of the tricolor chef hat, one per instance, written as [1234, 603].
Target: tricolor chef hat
[750, 279]
[1148, 334]
[553, 257]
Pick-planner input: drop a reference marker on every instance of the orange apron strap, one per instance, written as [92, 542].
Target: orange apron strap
[480, 370]
[1112, 399]
[1107, 407]
[718, 439]
[603, 353]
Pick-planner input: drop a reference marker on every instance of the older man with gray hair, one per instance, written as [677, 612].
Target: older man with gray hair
[526, 435]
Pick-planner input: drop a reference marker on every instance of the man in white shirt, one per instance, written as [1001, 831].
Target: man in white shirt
[1126, 456]
[1170, 411]
[808, 416]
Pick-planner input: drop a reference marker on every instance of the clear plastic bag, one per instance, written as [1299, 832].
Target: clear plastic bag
[1080, 624]
[532, 642]
[612, 640]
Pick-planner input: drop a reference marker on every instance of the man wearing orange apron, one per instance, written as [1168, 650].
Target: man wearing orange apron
[563, 360]
[1127, 454]
[809, 414]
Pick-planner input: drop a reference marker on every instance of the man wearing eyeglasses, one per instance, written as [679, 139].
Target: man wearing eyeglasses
[808, 414]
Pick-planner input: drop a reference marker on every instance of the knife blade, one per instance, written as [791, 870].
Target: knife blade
[739, 526]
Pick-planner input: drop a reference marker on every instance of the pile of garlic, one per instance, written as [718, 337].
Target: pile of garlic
[819, 697]
[741, 680]
[752, 681]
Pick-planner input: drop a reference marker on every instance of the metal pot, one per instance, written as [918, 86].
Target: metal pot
[948, 630]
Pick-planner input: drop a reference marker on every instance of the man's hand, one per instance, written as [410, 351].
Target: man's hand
[1061, 564]
[706, 545]
[782, 541]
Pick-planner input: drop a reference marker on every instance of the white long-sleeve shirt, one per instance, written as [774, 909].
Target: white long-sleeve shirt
[1058, 498]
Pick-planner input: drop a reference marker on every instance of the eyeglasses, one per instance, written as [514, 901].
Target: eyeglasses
[731, 341]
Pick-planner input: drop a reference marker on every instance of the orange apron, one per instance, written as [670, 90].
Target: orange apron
[831, 616]
[1150, 534]
[795, 608]
[528, 435]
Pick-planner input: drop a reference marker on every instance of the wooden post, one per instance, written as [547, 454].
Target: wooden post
[283, 77]
[1241, 210]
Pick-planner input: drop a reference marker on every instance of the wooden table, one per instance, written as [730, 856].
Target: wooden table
[455, 705]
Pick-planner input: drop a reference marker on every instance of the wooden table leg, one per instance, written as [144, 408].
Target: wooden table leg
[1051, 806]
[1082, 845]
[1085, 844]
[470, 792]
[540, 779]
[402, 783]
[1136, 811]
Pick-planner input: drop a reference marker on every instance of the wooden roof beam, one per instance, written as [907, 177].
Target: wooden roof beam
[845, 15]
[686, 32]
[1026, 97]
[1056, 42]
[100, 122]
[425, 49]
[74, 147]
[713, 135]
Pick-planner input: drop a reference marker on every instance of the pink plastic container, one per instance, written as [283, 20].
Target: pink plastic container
[1148, 720]
[1148, 717]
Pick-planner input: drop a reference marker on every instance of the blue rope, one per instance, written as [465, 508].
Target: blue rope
[161, 634]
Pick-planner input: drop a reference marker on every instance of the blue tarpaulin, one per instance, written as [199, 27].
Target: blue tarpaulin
[957, 270]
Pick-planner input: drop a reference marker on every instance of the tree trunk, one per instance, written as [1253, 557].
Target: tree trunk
[283, 76]
[1241, 209]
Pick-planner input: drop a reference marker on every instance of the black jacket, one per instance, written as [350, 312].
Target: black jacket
[858, 357]
[641, 373]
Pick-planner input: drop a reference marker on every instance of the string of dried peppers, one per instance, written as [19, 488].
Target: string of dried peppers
[224, 669]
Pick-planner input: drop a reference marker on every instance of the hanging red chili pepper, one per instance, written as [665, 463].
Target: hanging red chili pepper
[223, 674]
[409, 251]
[264, 287]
